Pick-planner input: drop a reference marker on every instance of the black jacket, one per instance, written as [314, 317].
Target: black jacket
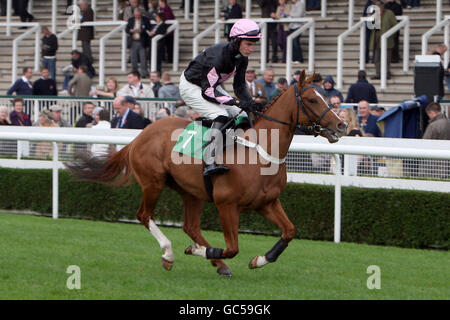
[394, 7]
[214, 66]
[361, 90]
[44, 87]
[84, 121]
[132, 121]
[145, 28]
[84, 60]
[267, 7]
[52, 45]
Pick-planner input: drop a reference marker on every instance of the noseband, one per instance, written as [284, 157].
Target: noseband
[315, 128]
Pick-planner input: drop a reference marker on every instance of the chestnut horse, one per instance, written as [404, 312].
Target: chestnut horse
[149, 159]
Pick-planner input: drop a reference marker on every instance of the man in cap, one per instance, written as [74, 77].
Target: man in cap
[125, 118]
[57, 118]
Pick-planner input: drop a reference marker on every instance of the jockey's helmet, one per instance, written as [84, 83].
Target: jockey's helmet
[245, 29]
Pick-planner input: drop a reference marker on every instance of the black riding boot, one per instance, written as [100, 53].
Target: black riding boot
[210, 153]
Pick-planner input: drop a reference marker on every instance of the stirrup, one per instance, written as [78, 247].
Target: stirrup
[213, 168]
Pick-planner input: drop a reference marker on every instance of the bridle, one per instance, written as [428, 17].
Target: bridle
[315, 128]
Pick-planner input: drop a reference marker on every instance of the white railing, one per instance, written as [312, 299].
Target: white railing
[445, 23]
[408, 148]
[263, 26]
[175, 27]
[404, 23]
[310, 24]
[120, 28]
[36, 29]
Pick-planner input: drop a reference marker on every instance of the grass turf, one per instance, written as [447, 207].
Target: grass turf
[122, 261]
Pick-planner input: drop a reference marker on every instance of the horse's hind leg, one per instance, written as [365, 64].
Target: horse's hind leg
[193, 209]
[150, 195]
[274, 212]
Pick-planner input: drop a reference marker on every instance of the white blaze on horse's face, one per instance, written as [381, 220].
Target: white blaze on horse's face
[323, 99]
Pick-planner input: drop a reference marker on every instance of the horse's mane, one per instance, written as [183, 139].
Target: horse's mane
[269, 105]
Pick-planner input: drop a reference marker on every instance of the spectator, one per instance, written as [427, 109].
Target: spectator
[317, 83]
[138, 109]
[282, 85]
[413, 4]
[21, 8]
[283, 11]
[49, 48]
[232, 11]
[440, 50]
[161, 114]
[398, 11]
[138, 28]
[153, 9]
[86, 118]
[255, 88]
[23, 86]
[80, 85]
[99, 150]
[361, 90]
[86, 34]
[112, 86]
[168, 39]
[45, 86]
[388, 21]
[44, 149]
[17, 116]
[191, 6]
[367, 121]
[135, 87]
[125, 118]
[377, 111]
[328, 86]
[267, 8]
[159, 28]
[335, 103]
[129, 10]
[95, 115]
[295, 77]
[78, 59]
[267, 81]
[349, 116]
[182, 112]
[438, 126]
[313, 5]
[2, 8]
[297, 11]
[4, 118]
[168, 90]
[57, 116]
[369, 4]
[155, 82]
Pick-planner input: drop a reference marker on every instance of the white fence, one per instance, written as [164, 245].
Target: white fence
[393, 150]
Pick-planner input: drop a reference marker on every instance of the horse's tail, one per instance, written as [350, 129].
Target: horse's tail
[113, 169]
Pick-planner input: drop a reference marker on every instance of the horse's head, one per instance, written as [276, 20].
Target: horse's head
[314, 112]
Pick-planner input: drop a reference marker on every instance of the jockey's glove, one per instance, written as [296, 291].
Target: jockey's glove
[250, 106]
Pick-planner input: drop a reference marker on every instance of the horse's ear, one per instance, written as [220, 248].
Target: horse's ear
[301, 79]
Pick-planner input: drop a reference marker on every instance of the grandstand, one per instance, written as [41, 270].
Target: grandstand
[400, 87]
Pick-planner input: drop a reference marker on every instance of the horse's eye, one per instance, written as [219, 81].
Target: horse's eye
[313, 100]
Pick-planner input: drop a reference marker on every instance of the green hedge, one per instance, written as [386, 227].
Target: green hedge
[375, 216]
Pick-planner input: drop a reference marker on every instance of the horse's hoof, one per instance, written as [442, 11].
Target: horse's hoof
[224, 271]
[189, 249]
[166, 264]
[252, 264]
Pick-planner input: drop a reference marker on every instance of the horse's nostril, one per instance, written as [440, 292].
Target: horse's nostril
[341, 126]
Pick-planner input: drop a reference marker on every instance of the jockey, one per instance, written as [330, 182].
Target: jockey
[201, 84]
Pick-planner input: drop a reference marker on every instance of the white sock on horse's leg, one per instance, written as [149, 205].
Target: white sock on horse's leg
[198, 250]
[164, 243]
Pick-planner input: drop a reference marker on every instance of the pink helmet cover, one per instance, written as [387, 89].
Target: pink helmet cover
[246, 29]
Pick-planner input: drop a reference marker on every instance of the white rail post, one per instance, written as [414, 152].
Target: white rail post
[55, 182]
[195, 25]
[406, 32]
[438, 10]
[30, 7]
[323, 9]
[37, 48]
[311, 47]
[446, 42]
[337, 200]
[8, 17]
[217, 33]
[176, 46]
[154, 52]
[340, 59]
[351, 7]
[186, 8]
[115, 10]
[216, 10]
[383, 71]
[124, 50]
[54, 14]
[248, 9]
[362, 47]
[74, 39]
[263, 27]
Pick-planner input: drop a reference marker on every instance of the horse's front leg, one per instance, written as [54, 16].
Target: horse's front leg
[229, 218]
[274, 212]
